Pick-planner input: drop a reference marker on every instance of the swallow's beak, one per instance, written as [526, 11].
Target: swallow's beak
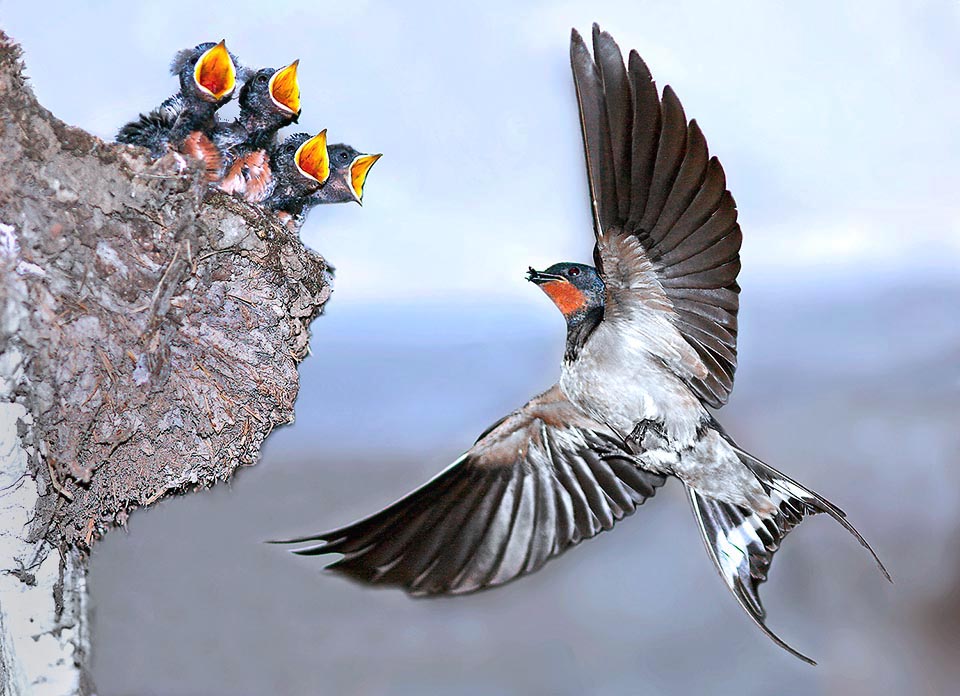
[358, 174]
[215, 73]
[565, 295]
[285, 90]
[312, 160]
[539, 277]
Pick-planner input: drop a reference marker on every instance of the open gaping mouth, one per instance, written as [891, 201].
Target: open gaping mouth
[215, 73]
[358, 174]
[312, 159]
[285, 90]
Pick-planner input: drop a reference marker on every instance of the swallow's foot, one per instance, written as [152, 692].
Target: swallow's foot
[649, 428]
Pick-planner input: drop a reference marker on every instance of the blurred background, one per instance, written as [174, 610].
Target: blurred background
[837, 130]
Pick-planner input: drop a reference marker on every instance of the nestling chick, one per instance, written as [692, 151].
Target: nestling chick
[269, 100]
[303, 178]
[184, 122]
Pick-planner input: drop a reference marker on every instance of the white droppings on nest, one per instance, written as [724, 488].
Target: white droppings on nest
[27, 268]
[109, 256]
[234, 230]
[13, 311]
[11, 371]
[60, 192]
[141, 374]
[9, 248]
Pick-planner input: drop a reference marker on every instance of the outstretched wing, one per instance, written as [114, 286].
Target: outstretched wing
[536, 483]
[666, 227]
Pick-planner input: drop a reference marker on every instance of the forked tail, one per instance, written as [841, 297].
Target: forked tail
[742, 543]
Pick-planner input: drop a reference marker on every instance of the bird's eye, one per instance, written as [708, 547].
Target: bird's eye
[261, 78]
[343, 156]
[573, 271]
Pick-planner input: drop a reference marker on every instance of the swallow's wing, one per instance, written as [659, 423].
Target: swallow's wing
[536, 483]
[666, 227]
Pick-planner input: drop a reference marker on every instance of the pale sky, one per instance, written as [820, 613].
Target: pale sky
[836, 125]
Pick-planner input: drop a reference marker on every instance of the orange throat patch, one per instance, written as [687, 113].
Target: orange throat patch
[565, 295]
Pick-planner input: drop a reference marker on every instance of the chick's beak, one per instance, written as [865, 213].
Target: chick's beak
[312, 160]
[358, 174]
[215, 73]
[285, 89]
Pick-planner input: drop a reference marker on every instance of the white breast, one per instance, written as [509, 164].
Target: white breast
[621, 378]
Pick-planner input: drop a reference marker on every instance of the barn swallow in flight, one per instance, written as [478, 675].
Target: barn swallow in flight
[185, 122]
[307, 172]
[651, 345]
[269, 100]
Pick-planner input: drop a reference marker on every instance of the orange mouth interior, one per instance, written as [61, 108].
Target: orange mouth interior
[284, 88]
[358, 172]
[312, 160]
[215, 73]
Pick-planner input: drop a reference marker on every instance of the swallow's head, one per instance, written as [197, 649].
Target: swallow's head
[575, 288]
[348, 173]
[272, 96]
[300, 166]
[349, 170]
[207, 73]
[310, 172]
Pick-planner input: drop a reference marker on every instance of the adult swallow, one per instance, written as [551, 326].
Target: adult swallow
[307, 172]
[651, 344]
[185, 122]
[269, 100]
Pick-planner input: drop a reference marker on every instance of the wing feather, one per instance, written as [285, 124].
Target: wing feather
[710, 199]
[646, 136]
[693, 170]
[660, 186]
[670, 151]
[619, 109]
[538, 483]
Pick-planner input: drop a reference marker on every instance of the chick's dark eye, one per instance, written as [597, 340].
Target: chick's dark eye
[261, 78]
[573, 272]
[343, 156]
